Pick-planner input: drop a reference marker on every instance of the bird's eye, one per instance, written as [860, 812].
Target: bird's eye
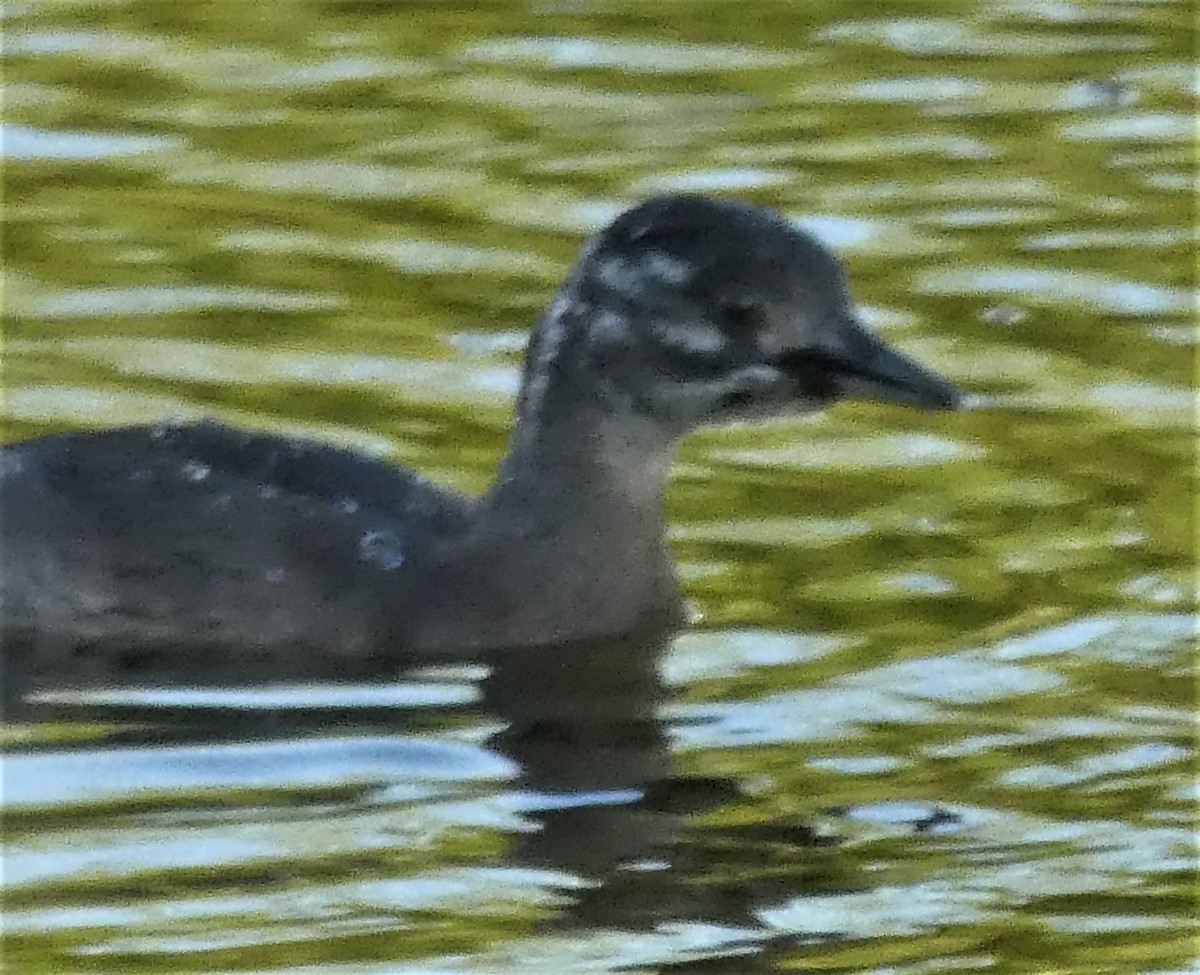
[743, 313]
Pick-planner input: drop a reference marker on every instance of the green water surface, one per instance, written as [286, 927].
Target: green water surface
[935, 714]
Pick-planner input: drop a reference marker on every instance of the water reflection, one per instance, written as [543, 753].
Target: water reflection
[592, 808]
[576, 793]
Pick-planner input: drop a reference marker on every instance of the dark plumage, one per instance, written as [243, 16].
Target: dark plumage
[200, 552]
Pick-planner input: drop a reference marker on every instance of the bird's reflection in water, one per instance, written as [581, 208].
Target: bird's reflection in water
[596, 781]
[583, 724]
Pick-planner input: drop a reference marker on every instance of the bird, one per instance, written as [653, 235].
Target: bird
[194, 551]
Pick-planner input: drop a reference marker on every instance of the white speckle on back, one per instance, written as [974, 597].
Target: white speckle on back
[195, 470]
[11, 464]
[384, 548]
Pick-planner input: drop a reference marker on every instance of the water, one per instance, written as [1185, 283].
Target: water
[935, 713]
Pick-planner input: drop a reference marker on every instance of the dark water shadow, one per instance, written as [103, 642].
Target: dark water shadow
[584, 727]
[596, 779]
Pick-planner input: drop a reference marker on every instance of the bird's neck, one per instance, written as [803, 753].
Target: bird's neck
[575, 515]
[575, 467]
[576, 453]
[569, 542]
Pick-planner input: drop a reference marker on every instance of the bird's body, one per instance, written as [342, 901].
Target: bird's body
[199, 551]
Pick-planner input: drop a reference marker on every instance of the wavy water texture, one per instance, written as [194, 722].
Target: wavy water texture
[934, 714]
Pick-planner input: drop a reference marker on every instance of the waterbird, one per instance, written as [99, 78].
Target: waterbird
[198, 552]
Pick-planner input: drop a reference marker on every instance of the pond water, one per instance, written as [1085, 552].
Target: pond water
[935, 714]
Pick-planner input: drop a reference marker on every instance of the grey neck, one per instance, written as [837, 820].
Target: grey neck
[579, 453]
[576, 460]
[569, 542]
[577, 505]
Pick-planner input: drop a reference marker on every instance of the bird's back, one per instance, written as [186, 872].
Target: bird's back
[200, 549]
